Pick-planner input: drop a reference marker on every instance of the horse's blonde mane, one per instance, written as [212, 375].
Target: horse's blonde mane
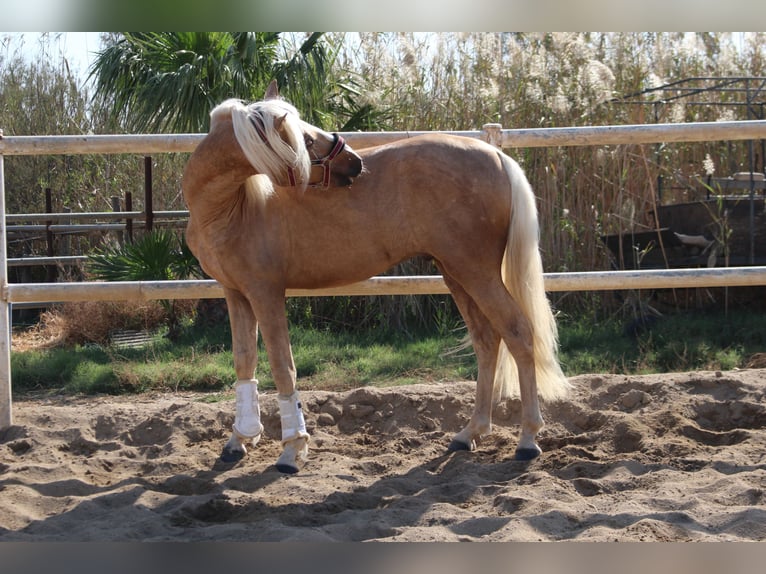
[273, 156]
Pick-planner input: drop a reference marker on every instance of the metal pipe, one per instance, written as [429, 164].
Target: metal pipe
[6, 407]
[388, 285]
[93, 215]
[32, 261]
[532, 137]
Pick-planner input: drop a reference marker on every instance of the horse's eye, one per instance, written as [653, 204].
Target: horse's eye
[309, 141]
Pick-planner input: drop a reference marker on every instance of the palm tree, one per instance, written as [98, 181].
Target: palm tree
[169, 81]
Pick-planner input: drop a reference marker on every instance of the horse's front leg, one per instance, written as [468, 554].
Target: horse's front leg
[273, 322]
[247, 419]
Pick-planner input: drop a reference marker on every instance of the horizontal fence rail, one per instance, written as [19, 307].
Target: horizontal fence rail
[18, 225]
[388, 285]
[492, 133]
[64, 222]
[99, 144]
[92, 216]
[59, 260]
[90, 227]
[531, 137]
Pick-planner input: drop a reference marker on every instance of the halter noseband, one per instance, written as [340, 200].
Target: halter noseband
[324, 162]
[338, 144]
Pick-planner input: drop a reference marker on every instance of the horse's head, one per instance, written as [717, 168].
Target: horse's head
[333, 162]
[290, 151]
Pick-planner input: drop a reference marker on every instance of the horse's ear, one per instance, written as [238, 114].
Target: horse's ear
[279, 121]
[272, 92]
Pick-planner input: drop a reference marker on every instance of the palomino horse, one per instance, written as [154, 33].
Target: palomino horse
[258, 230]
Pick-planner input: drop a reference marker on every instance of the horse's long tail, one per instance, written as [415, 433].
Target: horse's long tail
[522, 271]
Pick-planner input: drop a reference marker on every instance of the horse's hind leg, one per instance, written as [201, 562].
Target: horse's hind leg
[486, 342]
[508, 320]
[247, 420]
[516, 330]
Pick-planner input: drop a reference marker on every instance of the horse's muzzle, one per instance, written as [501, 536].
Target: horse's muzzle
[344, 166]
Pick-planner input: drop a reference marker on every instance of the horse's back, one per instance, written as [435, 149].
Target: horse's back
[433, 171]
[431, 142]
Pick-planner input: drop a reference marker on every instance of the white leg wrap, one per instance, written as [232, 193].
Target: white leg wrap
[293, 423]
[247, 420]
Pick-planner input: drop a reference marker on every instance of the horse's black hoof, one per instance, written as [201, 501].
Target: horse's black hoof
[230, 455]
[286, 468]
[526, 454]
[457, 445]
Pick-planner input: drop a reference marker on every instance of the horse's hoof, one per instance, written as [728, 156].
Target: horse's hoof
[527, 454]
[286, 468]
[230, 455]
[457, 445]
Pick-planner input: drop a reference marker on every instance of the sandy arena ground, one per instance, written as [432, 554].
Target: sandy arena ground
[672, 457]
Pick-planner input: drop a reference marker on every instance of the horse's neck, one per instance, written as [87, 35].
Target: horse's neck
[214, 175]
[220, 207]
[213, 187]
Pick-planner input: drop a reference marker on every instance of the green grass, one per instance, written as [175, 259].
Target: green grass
[687, 341]
[201, 360]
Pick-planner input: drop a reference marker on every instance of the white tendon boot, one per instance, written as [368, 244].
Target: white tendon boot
[294, 435]
[247, 421]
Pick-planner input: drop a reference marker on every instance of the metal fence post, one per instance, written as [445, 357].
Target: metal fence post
[148, 195]
[6, 413]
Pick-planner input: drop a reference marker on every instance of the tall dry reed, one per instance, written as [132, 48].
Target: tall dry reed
[450, 81]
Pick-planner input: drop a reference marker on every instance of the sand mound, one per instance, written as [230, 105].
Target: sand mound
[663, 457]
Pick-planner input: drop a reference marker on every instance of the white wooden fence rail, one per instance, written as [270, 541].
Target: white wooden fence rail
[493, 133]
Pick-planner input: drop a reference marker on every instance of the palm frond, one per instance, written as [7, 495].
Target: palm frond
[169, 81]
[157, 256]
